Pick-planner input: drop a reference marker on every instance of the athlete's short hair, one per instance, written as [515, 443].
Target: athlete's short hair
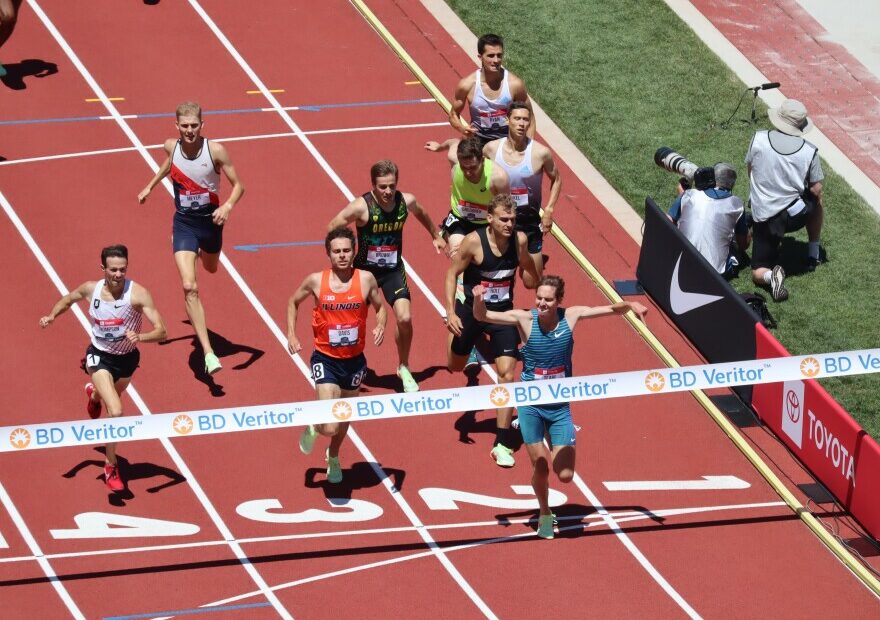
[489, 39]
[338, 233]
[469, 148]
[383, 169]
[189, 108]
[519, 105]
[557, 283]
[502, 201]
[113, 251]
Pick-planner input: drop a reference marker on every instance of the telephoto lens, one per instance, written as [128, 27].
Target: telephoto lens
[674, 162]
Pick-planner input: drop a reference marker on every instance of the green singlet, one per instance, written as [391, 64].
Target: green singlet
[470, 201]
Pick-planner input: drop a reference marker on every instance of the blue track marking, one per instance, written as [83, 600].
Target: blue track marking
[184, 612]
[304, 108]
[259, 246]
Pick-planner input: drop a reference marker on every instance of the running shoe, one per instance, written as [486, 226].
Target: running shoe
[307, 439]
[409, 384]
[459, 289]
[92, 406]
[334, 470]
[2, 71]
[473, 359]
[545, 526]
[212, 364]
[112, 478]
[777, 284]
[503, 456]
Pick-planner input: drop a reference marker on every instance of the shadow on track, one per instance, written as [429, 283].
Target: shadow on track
[16, 72]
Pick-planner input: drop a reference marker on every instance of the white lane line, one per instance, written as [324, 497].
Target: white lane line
[707, 483]
[178, 460]
[264, 136]
[37, 552]
[352, 434]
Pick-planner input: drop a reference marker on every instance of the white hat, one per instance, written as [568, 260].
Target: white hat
[790, 118]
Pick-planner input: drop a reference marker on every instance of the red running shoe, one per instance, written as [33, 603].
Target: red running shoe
[111, 477]
[93, 406]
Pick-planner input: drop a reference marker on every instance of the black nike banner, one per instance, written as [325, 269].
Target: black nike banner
[698, 300]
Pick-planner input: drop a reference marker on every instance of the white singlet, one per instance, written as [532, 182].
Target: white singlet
[489, 116]
[525, 183]
[111, 319]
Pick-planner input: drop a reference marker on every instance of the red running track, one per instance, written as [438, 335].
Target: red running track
[383, 542]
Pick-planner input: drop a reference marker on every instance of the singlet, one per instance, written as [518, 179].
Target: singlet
[339, 320]
[380, 240]
[496, 273]
[489, 116]
[470, 201]
[708, 223]
[195, 181]
[547, 355]
[777, 180]
[525, 183]
[111, 319]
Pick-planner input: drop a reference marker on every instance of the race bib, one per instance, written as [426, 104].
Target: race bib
[109, 329]
[496, 292]
[382, 255]
[194, 199]
[343, 334]
[520, 196]
[471, 211]
[493, 119]
[542, 374]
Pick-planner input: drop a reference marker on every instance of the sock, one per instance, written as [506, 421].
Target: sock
[813, 249]
[502, 436]
[767, 275]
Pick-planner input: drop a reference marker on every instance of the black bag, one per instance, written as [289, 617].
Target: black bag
[758, 305]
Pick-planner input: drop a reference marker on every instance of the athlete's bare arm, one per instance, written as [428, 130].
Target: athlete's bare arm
[450, 146]
[83, 291]
[355, 212]
[500, 182]
[518, 92]
[422, 216]
[142, 301]
[459, 263]
[490, 149]
[576, 313]
[521, 318]
[163, 171]
[369, 284]
[309, 287]
[222, 160]
[548, 165]
[460, 99]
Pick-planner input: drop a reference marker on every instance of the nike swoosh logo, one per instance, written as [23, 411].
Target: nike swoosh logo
[681, 301]
[117, 307]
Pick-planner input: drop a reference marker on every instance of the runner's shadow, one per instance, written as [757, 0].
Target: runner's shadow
[359, 476]
[129, 472]
[392, 382]
[574, 520]
[16, 72]
[222, 348]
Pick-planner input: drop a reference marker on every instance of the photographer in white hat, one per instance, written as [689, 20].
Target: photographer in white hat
[785, 192]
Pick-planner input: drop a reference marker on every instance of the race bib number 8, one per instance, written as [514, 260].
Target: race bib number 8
[343, 335]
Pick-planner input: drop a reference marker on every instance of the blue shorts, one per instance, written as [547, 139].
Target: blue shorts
[555, 420]
[346, 373]
[191, 233]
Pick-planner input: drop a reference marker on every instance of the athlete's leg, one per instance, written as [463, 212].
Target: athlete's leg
[210, 261]
[563, 462]
[403, 335]
[540, 458]
[506, 367]
[538, 260]
[109, 393]
[186, 266]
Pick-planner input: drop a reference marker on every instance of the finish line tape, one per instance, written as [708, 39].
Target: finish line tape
[572, 389]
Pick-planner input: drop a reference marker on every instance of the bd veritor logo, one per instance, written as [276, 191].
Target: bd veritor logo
[499, 396]
[20, 438]
[341, 410]
[793, 411]
[182, 424]
[809, 367]
[654, 381]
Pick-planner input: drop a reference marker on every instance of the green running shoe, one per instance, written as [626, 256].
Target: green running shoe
[334, 471]
[545, 526]
[409, 384]
[307, 439]
[503, 456]
[473, 359]
[212, 364]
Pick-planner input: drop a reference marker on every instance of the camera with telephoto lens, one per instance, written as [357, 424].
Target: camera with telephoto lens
[701, 177]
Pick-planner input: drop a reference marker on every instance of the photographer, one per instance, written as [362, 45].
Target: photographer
[710, 218]
[785, 192]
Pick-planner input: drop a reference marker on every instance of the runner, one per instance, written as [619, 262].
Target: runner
[526, 162]
[116, 306]
[195, 164]
[489, 257]
[339, 325]
[547, 332]
[380, 215]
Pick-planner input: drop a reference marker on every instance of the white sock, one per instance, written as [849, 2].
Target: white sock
[767, 275]
[813, 249]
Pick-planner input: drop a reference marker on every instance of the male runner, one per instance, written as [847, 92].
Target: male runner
[195, 163]
[547, 333]
[489, 257]
[487, 93]
[526, 162]
[339, 323]
[116, 306]
[380, 215]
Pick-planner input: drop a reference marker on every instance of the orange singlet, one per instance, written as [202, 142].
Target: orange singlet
[339, 320]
